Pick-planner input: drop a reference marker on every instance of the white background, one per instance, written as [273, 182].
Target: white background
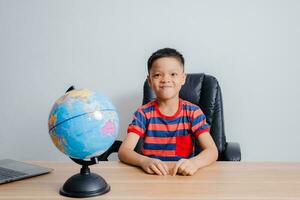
[252, 47]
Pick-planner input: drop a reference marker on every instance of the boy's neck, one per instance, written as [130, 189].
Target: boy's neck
[168, 107]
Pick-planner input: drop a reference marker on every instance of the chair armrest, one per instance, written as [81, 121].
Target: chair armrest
[232, 152]
[113, 149]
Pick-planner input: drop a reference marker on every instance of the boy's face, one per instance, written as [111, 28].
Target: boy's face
[166, 78]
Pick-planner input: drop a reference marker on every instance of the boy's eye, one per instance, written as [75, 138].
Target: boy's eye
[156, 75]
[174, 74]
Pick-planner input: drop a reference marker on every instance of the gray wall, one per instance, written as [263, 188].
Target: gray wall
[252, 47]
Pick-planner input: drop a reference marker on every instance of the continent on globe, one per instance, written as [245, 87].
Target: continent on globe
[108, 128]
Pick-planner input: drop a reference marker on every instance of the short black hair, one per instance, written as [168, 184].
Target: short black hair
[165, 52]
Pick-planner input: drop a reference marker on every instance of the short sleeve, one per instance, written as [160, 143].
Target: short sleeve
[138, 124]
[199, 124]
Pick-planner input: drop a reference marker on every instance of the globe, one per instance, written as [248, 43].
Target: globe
[83, 124]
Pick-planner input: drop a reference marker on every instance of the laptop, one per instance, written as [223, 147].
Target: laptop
[12, 170]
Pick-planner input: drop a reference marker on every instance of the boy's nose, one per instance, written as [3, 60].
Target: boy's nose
[166, 78]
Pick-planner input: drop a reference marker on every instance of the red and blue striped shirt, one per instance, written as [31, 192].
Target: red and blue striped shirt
[168, 138]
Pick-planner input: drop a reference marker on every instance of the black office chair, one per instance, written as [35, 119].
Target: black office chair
[204, 91]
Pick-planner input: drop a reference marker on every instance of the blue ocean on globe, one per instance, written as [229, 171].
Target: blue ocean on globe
[83, 124]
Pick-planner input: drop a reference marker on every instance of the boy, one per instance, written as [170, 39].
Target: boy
[167, 123]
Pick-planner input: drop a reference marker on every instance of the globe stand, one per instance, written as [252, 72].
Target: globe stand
[85, 183]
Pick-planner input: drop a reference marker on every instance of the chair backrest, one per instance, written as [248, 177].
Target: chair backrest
[204, 91]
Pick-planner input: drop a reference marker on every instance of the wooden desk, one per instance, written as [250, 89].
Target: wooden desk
[222, 180]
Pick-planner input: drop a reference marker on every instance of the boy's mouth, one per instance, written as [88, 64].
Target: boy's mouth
[165, 87]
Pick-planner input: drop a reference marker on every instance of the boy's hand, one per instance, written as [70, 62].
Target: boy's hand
[154, 166]
[186, 167]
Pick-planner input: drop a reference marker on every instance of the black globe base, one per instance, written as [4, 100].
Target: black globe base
[84, 184]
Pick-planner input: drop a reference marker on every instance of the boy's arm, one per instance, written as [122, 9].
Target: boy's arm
[128, 155]
[208, 155]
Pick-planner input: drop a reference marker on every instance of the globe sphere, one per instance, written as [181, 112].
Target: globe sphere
[83, 124]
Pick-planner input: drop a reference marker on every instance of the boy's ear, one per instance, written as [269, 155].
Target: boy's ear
[149, 81]
[183, 79]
